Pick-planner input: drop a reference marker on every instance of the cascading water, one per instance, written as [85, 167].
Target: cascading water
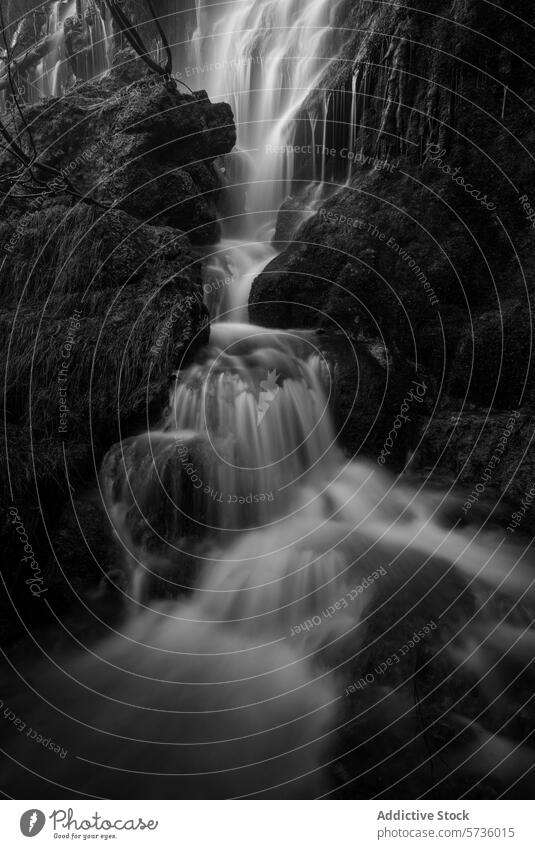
[46, 72]
[300, 566]
[78, 46]
[273, 55]
[242, 494]
[264, 57]
[99, 34]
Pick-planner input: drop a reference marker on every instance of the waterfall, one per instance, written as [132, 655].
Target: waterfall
[264, 57]
[99, 54]
[81, 46]
[46, 72]
[246, 425]
[263, 565]
[313, 118]
[241, 500]
[352, 124]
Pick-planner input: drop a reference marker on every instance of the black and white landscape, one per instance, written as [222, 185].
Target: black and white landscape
[267, 477]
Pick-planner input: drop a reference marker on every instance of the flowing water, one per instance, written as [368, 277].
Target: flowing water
[243, 494]
[54, 73]
[291, 569]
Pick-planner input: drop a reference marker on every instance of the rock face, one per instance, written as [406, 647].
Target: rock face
[101, 305]
[139, 142]
[102, 300]
[503, 436]
[422, 244]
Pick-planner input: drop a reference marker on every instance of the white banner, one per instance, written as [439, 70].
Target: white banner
[263, 825]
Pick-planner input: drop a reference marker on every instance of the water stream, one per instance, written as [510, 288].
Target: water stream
[242, 495]
[243, 500]
[249, 424]
[80, 47]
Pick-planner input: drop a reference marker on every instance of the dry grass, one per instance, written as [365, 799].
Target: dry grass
[59, 250]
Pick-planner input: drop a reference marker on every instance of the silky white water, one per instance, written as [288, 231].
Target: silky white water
[244, 479]
[53, 75]
[264, 57]
[284, 564]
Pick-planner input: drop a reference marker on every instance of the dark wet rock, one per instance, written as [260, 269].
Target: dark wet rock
[128, 139]
[84, 568]
[483, 454]
[291, 215]
[493, 366]
[366, 394]
[169, 198]
[106, 323]
[139, 478]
